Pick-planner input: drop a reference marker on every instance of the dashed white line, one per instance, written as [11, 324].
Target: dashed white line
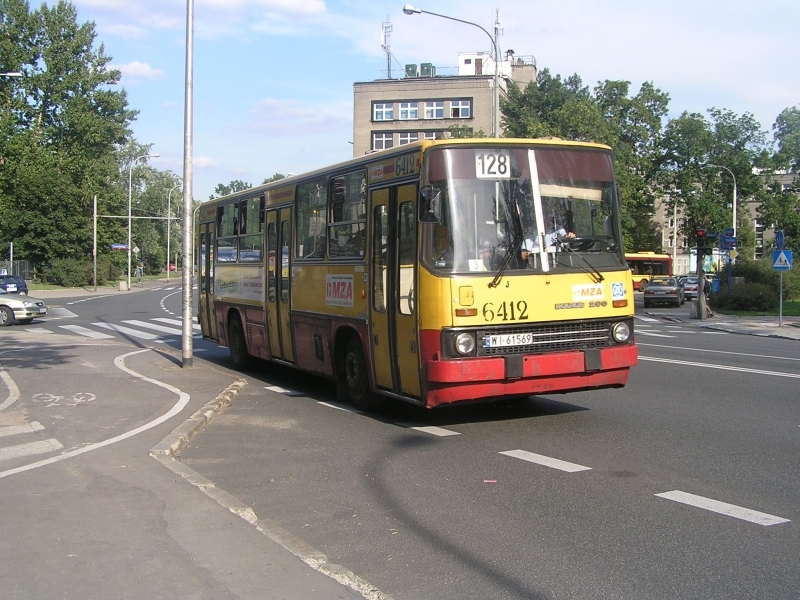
[546, 461]
[721, 367]
[437, 431]
[280, 390]
[723, 508]
[639, 331]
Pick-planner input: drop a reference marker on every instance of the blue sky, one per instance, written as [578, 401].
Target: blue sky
[273, 78]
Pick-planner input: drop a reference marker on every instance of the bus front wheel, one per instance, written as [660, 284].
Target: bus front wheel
[238, 345]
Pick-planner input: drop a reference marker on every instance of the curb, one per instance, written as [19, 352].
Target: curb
[165, 452]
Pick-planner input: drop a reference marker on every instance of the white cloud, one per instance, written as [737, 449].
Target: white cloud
[135, 71]
[204, 162]
[290, 118]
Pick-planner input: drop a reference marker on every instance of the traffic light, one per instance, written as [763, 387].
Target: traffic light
[701, 237]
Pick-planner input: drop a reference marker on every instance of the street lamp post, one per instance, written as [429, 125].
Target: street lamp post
[411, 10]
[730, 284]
[130, 171]
[169, 220]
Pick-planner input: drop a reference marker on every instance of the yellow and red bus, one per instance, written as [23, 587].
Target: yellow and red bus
[436, 272]
[644, 265]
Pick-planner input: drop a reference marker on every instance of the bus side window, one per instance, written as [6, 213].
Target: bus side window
[406, 243]
[312, 201]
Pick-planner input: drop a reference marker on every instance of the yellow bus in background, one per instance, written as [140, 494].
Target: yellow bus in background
[645, 265]
[436, 272]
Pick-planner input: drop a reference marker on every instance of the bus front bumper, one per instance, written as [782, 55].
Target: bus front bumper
[501, 376]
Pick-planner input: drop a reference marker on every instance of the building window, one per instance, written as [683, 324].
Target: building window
[383, 112]
[434, 110]
[381, 141]
[429, 135]
[409, 110]
[672, 223]
[459, 109]
[407, 138]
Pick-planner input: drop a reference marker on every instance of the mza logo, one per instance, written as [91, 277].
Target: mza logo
[587, 292]
[339, 290]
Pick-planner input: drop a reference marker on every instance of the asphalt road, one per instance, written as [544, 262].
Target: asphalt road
[681, 485]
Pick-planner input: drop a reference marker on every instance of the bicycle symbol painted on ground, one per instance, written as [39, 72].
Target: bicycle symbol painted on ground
[77, 399]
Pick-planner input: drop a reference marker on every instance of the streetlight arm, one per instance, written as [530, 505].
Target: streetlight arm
[411, 10]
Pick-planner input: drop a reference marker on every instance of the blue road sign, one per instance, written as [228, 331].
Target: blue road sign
[729, 232]
[779, 239]
[782, 260]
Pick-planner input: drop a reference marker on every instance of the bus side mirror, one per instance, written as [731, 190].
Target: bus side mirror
[430, 210]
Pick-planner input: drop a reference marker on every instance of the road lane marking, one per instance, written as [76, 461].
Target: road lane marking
[280, 390]
[154, 327]
[721, 367]
[38, 330]
[639, 331]
[30, 449]
[721, 352]
[119, 362]
[546, 461]
[31, 427]
[86, 332]
[344, 407]
[128, 331]
[437, 431]
[723, 508]
[13, 390]
[178, 322]
[648, 319]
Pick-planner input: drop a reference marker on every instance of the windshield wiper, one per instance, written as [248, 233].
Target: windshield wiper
[516, 243]
[596, 275]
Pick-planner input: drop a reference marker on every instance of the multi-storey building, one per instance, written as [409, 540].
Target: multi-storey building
[392, 112]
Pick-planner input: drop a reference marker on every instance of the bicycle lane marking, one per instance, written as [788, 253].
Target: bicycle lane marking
[119, 362]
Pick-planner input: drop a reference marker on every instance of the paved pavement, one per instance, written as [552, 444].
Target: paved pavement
[789, 328]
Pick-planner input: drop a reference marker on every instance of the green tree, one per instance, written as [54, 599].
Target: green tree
[237, 185]
[275, 177]
[62, 125]
[787, 136]
[780, 209]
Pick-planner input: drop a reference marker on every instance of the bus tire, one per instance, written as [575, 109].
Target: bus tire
[355, 376]
[643, 285]
[238, 345]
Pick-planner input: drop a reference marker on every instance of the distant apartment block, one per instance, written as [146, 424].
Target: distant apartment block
[423, 104]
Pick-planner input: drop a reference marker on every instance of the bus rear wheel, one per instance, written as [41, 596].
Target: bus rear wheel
[238, 345]
[355, 376]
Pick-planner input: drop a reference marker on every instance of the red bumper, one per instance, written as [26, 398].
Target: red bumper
[476, 378]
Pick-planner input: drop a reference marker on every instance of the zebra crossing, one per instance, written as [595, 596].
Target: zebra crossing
[156, 330]
[650, 327]
[21, 447]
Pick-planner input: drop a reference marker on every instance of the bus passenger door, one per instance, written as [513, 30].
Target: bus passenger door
[279, 282]
[405, 310]
[205, 309]
[393, 311]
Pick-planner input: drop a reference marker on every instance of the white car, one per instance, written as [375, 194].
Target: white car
[22, 308]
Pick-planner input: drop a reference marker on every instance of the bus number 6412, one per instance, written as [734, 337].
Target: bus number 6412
[506, 311]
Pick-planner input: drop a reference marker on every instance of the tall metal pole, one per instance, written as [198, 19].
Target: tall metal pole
[94, 243]
[411, 10]
[735, 200]
[188, 242]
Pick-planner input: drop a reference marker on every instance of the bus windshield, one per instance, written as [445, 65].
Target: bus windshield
[521, 208]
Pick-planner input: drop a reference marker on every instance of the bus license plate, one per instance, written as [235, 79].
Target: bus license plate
[508, 339]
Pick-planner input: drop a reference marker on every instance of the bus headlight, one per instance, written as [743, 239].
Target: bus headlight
[465, 344]
[621, 332]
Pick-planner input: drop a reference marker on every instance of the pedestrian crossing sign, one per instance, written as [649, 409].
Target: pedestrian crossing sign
[782, 260]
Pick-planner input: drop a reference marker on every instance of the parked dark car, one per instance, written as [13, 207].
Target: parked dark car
[13, 284]
[663, 290]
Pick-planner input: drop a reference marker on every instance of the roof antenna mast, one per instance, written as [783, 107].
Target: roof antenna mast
[387, 30]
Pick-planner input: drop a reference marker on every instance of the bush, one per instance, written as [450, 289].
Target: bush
[70, 272]
[756, 297]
